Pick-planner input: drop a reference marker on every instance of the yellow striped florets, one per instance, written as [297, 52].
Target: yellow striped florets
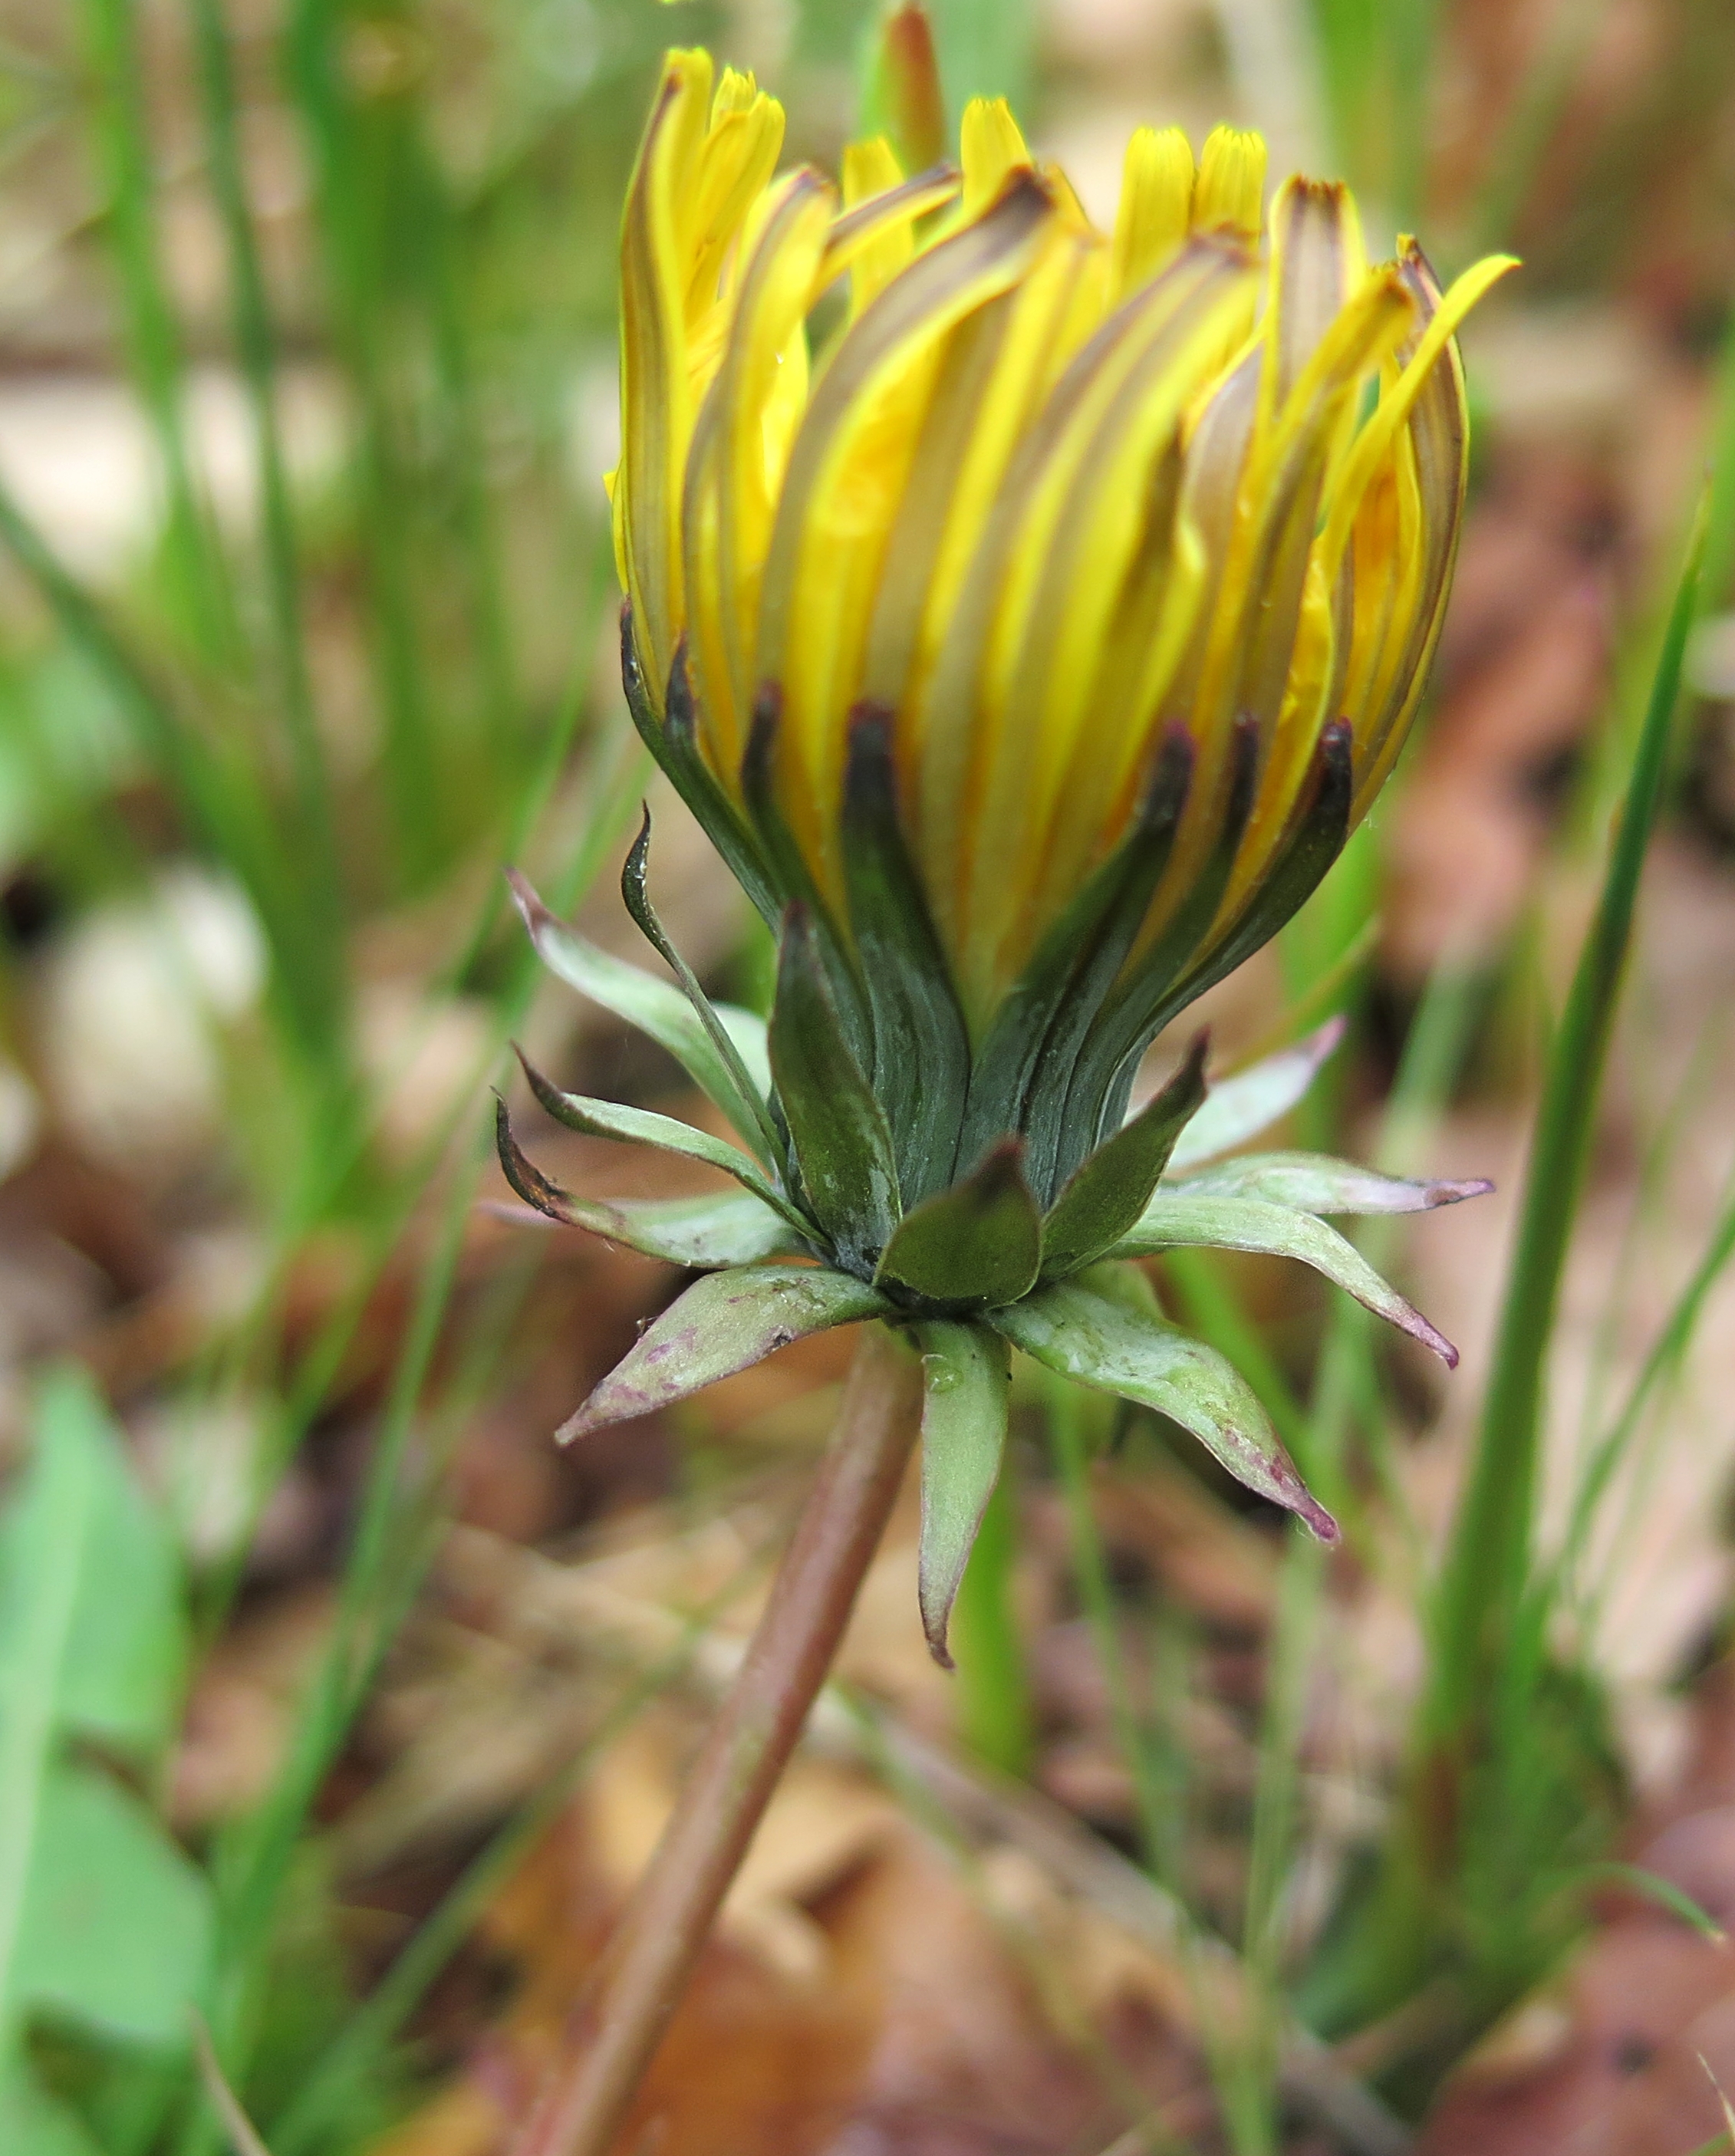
[1061, 584]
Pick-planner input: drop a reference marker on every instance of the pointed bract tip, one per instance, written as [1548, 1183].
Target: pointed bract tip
[531, 908]
[1448, 1192]
[1433, 1338]
[1003, 1162]
[1324, 1039]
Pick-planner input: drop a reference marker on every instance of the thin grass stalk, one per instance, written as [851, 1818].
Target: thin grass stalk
[1069, 1432]
[199, 581]
[1157, 1795]
[1663, 1360]
[616, 2028]
[1412, 31]
[597, 579]
[359, 2050]
[1645, 1228]
[1488, 1560]
[216, 788]
[1483, 1805]
[501, 715]
[1433, 1056]
[615, 789]
[258, 1860]
[325, 942]
[1522, 139]
[255, 1863]
[353, 197]
[1718, 578]
[617, 795]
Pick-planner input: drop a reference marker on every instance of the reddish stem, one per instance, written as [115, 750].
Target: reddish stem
[617, 2026]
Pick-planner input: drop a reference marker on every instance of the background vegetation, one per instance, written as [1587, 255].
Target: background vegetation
[335, 1711]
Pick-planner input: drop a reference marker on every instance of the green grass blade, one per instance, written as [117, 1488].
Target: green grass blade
[1070, 1417]
[986, 49]
[369, 237]
[322, 885]
[256, 1864]
[200, 595]
[1488, 1560]
[1523, 139]
[1433, 1056]
[359, 2053]
[1665, 1356]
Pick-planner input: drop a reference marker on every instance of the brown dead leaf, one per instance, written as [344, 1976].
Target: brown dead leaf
[1614, 2069]
[242, 1708]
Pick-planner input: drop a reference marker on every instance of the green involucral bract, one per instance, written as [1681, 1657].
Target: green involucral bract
[846, 1169]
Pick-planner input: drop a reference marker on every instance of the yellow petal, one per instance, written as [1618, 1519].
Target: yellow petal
[998, 368]
[846, 476]
[1155, 209]
[1064, 534]
[1259, 576]
[1231, 184]
[740, 450]
[1396, 404]
[656, 404]
[873, 239]
[1318, 262]
[733, 167]
[992, 149]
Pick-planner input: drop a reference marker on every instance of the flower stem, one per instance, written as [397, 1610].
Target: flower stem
[617, 2027]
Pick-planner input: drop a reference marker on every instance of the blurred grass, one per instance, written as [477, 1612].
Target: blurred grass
[362, 698]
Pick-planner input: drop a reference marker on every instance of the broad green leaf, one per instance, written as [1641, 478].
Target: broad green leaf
[120, 1680]
[836, 1126]
[731, 1228]
[1239, 1108]
[749, 1072]
[1314, 1182]
[34, 2123]
[613, 1119]
[91, 1644]
[964, 1376]
[1113, 1187]
[724, 1323]
[1173, 1220]
[117, 1928]
[979, 1242]
[656, 1009]
[1092, 1329]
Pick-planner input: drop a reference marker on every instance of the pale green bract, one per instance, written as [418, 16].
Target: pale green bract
[817, 1234]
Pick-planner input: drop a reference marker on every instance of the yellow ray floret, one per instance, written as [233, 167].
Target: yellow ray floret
[1057, 509]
